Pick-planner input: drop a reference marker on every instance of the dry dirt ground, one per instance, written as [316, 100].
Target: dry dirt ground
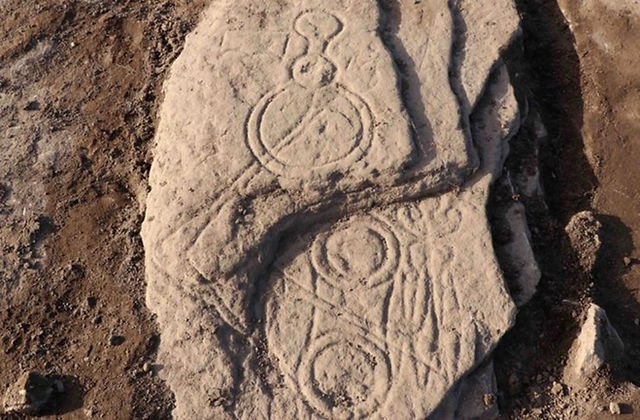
[579, 69]
[79, 87]
[80, 82]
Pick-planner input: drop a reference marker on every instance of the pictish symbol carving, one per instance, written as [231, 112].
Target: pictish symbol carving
[312, 125]
[345, 366]
[344, 375]
[363, 253]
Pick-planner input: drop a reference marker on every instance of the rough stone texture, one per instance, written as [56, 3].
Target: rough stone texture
[381, 313]
[519, 254]
[597, 343]
[475, 397]
[28, 394]
[311, 133]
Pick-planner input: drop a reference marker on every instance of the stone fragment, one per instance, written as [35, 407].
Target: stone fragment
[614, 408]
[557, 389]
[518, 252]
[301, 149]
[369, 307]
[28, 394]
[116, 340]
[597, 343]
[489, 400]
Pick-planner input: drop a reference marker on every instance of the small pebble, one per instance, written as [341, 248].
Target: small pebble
[627, 261]
[116, 340]
[147, 367]
[489, 399]
[557, 389]
[614, 408]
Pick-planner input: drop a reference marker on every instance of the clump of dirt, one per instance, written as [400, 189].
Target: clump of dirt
[79, 87]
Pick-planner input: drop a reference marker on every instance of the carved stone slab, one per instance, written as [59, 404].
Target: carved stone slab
[312, 133]
[383, 311]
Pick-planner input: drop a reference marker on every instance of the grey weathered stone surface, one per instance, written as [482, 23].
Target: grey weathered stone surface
[519, 253]
[475, 397]
[392, 287]
[319, 135]
[597, 343]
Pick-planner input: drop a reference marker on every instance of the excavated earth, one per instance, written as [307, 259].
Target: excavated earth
[319, 209]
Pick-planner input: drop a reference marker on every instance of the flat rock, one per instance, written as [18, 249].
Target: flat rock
[614, 408]
[298, 255]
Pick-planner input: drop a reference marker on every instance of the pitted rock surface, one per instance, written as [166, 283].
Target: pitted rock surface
[304, 257]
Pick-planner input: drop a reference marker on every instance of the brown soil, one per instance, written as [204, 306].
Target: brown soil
[79, 87]
[585, 98]
[611, 93]
[80, 82]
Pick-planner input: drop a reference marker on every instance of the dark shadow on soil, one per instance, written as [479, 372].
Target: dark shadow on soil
[549, 47]
[613, 295]
[67, 399]
[545, 70]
